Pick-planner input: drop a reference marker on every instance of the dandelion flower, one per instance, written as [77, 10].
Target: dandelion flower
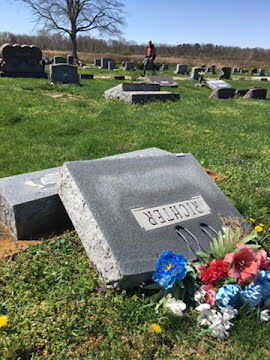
[260, 224]
[252, 220]
[3, 321]
[156, 328]
[206, 131]
[258, 228]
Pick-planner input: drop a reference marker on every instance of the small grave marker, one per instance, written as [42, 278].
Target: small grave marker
[59, 60]
[64, 74]
[195, 73]
[181, 69]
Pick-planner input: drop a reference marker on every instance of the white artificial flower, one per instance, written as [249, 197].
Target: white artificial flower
[203, 308]
[199, 296]
[218, 331]
[264, 315]
[229, 312]
[176, 306]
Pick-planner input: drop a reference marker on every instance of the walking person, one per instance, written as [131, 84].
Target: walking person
[149, 58]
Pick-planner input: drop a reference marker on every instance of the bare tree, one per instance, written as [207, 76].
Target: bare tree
[75, 16]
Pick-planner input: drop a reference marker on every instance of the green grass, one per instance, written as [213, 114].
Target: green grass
[50, 291]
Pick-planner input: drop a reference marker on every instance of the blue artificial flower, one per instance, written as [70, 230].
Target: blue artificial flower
[228, 295]
[263, 279]
[169, 268]
[251, 295]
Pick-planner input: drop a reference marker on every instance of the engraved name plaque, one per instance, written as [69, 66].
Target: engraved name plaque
[169, 214]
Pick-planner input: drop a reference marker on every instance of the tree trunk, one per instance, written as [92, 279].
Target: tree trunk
[73, 38]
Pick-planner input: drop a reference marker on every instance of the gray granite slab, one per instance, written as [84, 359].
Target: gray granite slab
[161, 80]
[140, 93]
[126, 211]
[217, 84]
[30, 206]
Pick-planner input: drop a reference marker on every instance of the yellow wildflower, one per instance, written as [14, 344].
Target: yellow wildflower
[156, 328]
[3, 320]
[260, 224]
[194, 126]
[227, 172]
[258, 228]
[252, 220]
[206, 131]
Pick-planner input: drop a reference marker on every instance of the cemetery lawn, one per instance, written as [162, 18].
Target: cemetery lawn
[56, 306]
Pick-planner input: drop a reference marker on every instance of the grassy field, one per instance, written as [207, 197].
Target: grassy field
[56, 306]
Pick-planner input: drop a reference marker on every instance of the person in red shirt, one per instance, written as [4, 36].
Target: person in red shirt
[149, 58]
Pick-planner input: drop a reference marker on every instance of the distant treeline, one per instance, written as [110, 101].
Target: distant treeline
[92, 45]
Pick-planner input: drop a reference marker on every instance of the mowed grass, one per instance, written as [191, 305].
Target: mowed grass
[51, 293]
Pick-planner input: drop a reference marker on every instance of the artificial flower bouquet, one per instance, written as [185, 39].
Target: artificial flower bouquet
[236, 273]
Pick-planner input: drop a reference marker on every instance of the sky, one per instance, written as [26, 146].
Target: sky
[221, 22]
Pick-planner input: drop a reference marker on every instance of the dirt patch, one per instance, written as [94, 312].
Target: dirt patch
[62, 96]
[9, 246]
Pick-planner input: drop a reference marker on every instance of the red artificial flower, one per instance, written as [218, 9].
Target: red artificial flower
[262, 260]
[244, 264]
[210, 294]
[217, 270]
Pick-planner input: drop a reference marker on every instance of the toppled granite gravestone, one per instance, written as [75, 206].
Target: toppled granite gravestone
[140, 93]
[30, 206]
[223, 93]
[21, 61]
[161, 80]
[59, 60]
[256, 93]
[217, 84]
[64, 74]
[87, 76]
[129, 66]
[225, 73]
[126, 211]
[181, 69]
[196, 72]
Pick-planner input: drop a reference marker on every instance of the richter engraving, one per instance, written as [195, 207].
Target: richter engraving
[169, 214]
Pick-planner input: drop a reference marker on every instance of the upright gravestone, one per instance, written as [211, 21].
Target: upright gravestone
[195, 73]
[181, 69]
[128, 210]
[254, 71]
[70, 59]
[59, 60]
[21, 61]
[104, 63]
[64, 74]
[97, 62]
[129, 66]
[261, 72]
[236, 70]
[225, 73]
[164, 67]
[111, 65]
